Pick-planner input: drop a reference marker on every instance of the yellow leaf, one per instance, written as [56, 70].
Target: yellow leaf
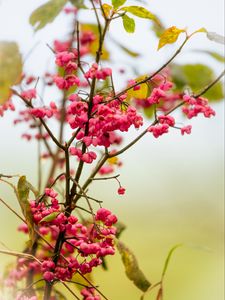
[169, 36]
[95, 44]
[107, 9]
[113, 160]
[142, 93]
[201, 30]
[132, 269]
[94, 48]
[10, 68]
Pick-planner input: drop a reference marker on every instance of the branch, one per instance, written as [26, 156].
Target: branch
[41, 120]
[169, 112]
[98, 21]
[8, 176]
[92, 175]
[88, 202]
[19, 254]
[69, 289]
[78, 51]
[90, 105]
[13, 211]
[106, 178]
[61, 255]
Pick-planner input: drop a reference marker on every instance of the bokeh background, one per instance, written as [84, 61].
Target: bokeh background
[175, 185]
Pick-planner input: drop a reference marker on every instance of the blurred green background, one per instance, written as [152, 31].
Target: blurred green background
[175, 186]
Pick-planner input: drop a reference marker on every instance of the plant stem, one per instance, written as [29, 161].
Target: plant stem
[90, 105]
[47, 291]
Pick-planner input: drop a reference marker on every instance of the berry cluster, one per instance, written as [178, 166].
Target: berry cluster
[84, 245]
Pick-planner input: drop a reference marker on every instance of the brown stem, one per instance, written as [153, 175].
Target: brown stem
[92, 175]
[78, 52]
[39, 165]
[69, 289]
[90, 105]
[70, 194]
[29, 104]
[47, 291]
[67, 177]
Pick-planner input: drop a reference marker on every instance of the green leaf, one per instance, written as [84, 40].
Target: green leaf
[127, 50]
[196, 76]
[158, 28]
[213, 54]
[78, 3]
[117, 3]
[23, 190]
[216, 56]
[46, 13]
[50, 217]
[169, 36]
[104, 264]
[140, 12]
[128, 24]
[33, 189]
[149, 111]
[23, 193]
[120, 227]
[10, 69]
[168, 258]
[132, 269]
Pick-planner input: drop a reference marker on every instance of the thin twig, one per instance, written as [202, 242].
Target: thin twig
[9, 176]
[78, 283]
[41, 120]
[152, 75]
[54, 182]
[61, 255]
[84, 209]
[39, 165]
[98, 21]
[92, 285]
[91, 198]
[169, 112]
[78, 51]
[106, 178]
[69, 289]
[31, 285]
[13, 211]
[20, 254]
[100, 163]
[85, 196]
